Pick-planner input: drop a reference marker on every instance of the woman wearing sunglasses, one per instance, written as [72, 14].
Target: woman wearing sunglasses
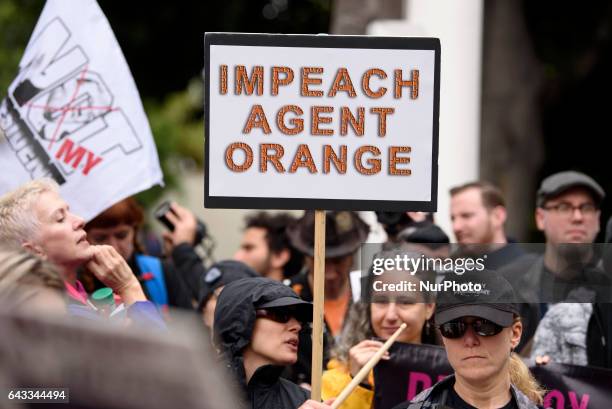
[480, 329]
[372, 321]
[256, 326]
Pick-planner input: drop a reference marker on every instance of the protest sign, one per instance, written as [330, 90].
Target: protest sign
[413, 368]
[321, 122]
[73, 113]
[575, 387]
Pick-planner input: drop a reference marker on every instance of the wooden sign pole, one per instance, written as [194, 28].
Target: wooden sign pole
[365, 370]
[318, 298]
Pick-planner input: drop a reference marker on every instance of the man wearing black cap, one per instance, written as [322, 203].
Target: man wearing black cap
[344, 233]
[567, 213]
[568, 210]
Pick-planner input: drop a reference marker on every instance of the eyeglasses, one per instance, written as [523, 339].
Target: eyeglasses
[281, 315]
[457, 328]
[567, 209]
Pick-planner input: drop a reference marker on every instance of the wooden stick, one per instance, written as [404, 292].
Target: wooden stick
[318, 298]
[363, 372]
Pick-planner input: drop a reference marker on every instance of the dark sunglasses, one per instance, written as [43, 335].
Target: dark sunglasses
[281, 315]
[457, 328]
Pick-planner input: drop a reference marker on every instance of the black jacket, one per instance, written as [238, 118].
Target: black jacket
[233, 327]
[268, 390]
[599, 336]
[190, 268]
[529, 276]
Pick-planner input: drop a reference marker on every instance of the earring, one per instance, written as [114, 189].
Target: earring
[427, 328]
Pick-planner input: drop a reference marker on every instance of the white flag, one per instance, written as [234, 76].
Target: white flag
[74, 114]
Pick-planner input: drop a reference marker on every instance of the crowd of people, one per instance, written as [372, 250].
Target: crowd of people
[550, 307]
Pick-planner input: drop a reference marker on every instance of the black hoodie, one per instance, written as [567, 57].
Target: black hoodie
[233, 327]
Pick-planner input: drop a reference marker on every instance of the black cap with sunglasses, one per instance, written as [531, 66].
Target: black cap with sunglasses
[494, 307]
[243, 301]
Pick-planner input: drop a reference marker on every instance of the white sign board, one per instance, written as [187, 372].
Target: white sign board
[321, 122]
[73, 113]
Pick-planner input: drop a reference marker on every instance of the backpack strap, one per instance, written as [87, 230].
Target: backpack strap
[152, 274]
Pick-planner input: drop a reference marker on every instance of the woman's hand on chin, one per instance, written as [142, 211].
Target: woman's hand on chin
[113, 271]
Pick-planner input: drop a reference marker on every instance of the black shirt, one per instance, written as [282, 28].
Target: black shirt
[454, 401]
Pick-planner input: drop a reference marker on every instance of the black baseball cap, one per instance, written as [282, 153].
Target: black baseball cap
[303, 309]
[279, 295]
[494, 301]
[423, 233]
[558, 183]
[220, 274]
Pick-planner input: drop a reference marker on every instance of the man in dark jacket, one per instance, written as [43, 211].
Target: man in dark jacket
[567, 212]
[256, 327]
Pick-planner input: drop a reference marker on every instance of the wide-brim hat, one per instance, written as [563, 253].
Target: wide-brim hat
[344, 233]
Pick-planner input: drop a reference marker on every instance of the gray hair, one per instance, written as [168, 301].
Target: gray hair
[18, 222]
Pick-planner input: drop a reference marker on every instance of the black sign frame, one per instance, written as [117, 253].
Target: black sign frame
[321, 41]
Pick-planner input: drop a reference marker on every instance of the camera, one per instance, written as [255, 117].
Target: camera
[161, 212]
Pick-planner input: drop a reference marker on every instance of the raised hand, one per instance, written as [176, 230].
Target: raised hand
[361, 353]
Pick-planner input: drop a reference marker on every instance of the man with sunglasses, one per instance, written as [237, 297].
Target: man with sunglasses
[480, 330]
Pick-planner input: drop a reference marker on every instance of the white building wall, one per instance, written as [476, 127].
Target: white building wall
[459, 26]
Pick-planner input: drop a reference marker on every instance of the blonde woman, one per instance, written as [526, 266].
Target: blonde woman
[36, 218]
[480, 329]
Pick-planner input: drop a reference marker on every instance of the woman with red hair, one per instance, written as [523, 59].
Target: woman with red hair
[118, 226]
